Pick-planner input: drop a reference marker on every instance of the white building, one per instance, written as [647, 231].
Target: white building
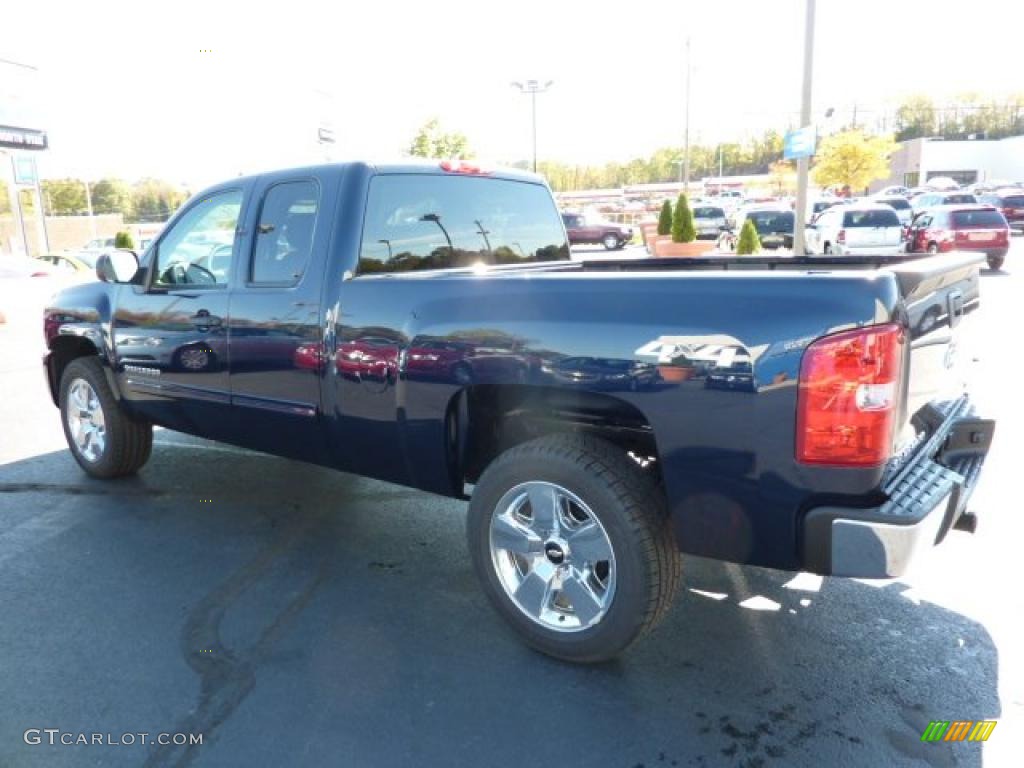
[965, 161]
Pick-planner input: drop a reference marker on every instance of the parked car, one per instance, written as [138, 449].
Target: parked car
[815, 207]
[78, 265]
[961, 228]
[856, 229]
[582, 488]
[932, 199]
[709, 220]
[774, 225]
[894, 191]
[1010, 201]
[899, 204]
[583, 230]
[99, 244]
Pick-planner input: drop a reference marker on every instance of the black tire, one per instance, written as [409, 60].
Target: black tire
[995, 263]
[128, 442]
[933, 247]
[628, 505]
[827, 250]
[611, 242]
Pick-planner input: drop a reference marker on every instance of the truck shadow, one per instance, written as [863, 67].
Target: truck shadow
[344, 615]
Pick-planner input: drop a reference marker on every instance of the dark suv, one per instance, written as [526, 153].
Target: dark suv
[1010, 202]
[582, 230]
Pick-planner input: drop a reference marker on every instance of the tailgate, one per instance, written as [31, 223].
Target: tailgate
[941, 296]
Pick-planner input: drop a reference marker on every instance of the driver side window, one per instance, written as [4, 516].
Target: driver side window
[197, 251]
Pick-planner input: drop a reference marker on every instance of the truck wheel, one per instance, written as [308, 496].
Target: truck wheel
[828, 249]
[105, 442]
[933, 248]
[611, 242]
[573, 546]
[996, 262]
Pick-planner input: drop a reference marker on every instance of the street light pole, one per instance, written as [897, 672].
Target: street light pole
[803, 163]
[88, 205]
[533, 87]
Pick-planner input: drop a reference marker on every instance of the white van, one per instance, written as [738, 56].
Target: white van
[860, 228]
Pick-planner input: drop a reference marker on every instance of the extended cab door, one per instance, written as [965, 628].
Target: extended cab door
[274, 336]
[170, 332]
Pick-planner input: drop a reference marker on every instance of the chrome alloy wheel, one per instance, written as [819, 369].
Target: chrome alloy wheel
[85, 420]
[552, 556]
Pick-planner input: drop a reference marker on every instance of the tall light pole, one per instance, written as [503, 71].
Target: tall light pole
[533, 87]
[803, 163]
[686, 129]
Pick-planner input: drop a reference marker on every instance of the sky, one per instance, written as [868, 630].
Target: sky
[208, 90]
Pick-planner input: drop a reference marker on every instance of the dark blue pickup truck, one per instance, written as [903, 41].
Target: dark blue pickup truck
[424, 324]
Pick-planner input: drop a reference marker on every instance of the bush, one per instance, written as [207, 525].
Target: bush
[683, 230]
[665, 219]
[749, 241]
[124, 240]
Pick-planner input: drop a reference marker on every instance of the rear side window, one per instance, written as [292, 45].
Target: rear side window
[1013, 201]
[853, 219]
[284, 236]
[987, 219]
[417, 221]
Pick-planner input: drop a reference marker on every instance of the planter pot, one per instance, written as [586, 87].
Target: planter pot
[655, 242]
[675, 373]
[669, 249]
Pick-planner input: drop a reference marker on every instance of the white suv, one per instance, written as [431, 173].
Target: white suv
[850, 230]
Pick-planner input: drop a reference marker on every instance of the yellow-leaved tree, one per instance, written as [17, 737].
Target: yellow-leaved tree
[852, 158]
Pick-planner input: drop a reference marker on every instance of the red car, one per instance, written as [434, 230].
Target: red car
[961, 228]
[1010, 202]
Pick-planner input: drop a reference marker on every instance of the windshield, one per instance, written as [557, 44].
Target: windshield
[897, 203]
[962, 219]
[872, 218]
[708, 213]
[419, 221]
[772, 222]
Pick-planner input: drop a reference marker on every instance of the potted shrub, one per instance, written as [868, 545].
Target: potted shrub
[676, 366]
[684, 240]
[660, 230]
[124, 240]
[749, 242]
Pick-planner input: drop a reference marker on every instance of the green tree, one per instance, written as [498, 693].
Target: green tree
[124, 240]
[64, 197]
[155, 200]
[431, 141]
[915, 117]
[665, 219]
[749, 241]
[111, 196]
[852, 158]
[683, 230]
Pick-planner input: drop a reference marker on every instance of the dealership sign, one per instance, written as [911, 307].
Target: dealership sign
[22, 138]
[799, 143]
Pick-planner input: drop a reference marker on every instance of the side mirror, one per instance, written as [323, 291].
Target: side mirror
[117, 266]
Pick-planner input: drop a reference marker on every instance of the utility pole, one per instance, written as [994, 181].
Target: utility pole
[686, 129]
[533, 87]
[88, 205]
[803, 163]
[719, 166]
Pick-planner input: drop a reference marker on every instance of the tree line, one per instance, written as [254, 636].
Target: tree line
[146, 200]
[969, 114]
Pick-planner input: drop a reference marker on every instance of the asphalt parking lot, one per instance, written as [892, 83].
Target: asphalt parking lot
[295, 616]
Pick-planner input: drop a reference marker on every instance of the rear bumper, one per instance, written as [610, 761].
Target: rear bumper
[925, 500]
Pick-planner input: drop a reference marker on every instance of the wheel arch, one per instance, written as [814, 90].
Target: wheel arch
[64, 349]
[483, 421]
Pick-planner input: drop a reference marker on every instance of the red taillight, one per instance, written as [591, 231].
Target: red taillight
[841, 236]
[461, 166]
[849, 390]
